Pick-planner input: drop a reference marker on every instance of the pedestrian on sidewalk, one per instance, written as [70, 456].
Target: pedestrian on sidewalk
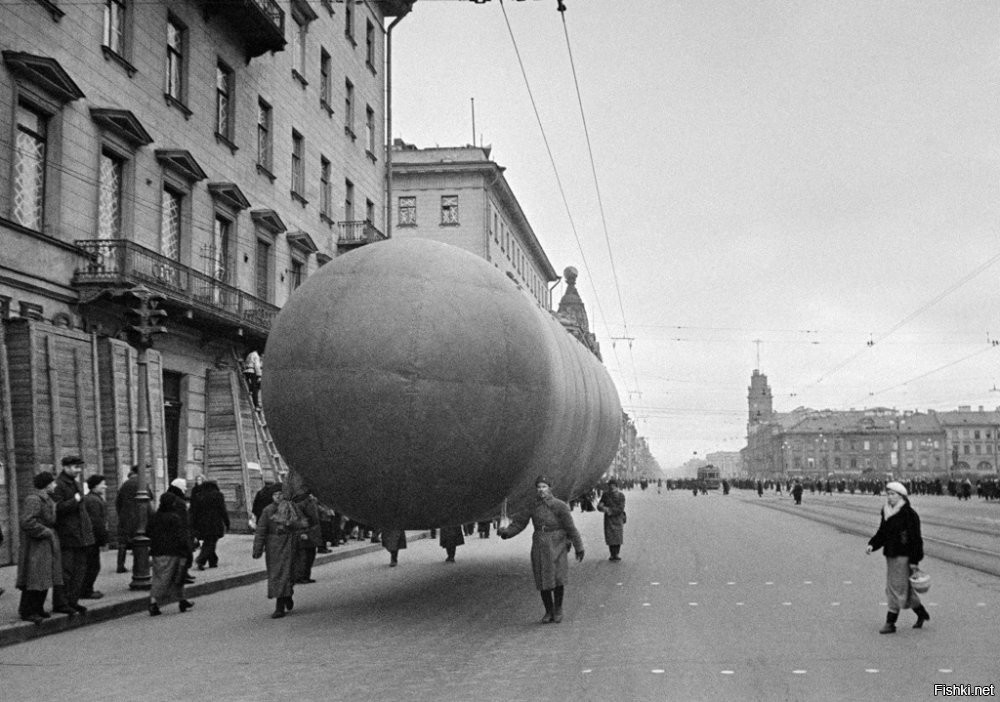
[797, 492]
[899, 538]
[75, 535]
[310, 539]
[170, 552]
[39, 563]
[209, 521]
[178, 486]
[451, 538]
[98, 511]
[278, 529]
[127, 511]
[554, 534]
[393, 541]
[612, 504]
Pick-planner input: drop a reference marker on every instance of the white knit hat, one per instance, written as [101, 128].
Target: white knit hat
[898, 488]
[179, 483]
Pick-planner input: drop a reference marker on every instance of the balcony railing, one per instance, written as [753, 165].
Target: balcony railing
[356, 233]
[261, 23]
[120, 262]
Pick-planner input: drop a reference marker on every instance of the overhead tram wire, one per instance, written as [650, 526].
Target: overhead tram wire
[597, 190]
[555, 171]
[933, 301]
[930, 372]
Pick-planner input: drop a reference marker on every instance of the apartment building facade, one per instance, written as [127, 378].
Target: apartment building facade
[209, 154]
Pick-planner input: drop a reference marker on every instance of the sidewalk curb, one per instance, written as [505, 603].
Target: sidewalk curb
[21, 632]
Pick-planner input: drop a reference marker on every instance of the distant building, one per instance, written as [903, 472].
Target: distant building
[458, 196]
[876, 442]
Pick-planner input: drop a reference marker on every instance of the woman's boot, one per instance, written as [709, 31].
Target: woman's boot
[185, 605]
[922, 616]
[154, 609]
[890, 623]
[279, 609]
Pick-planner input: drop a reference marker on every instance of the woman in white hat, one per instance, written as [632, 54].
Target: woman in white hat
[899, 538]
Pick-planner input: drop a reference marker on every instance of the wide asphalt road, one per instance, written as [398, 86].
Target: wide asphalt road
[717, 598]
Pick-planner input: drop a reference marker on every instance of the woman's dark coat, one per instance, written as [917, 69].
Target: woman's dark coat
[209, 517]
[899, 535]
[168, 531]
[39, 563]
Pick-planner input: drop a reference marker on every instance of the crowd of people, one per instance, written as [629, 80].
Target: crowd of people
[961, 488]
[64, 529]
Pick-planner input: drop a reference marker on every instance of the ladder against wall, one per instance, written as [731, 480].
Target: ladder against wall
[239, 453]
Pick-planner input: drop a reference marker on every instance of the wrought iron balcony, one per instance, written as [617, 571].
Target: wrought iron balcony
[261, 23]
[358, 233]
[116, 263]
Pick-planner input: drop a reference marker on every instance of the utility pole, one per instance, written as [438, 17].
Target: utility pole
[141, 335]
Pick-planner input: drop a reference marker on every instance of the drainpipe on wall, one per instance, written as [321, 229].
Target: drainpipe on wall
[388, 119]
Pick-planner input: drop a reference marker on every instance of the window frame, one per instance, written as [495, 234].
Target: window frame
[407, 207]
[349, 109]
[325, 189]
[225, 114]
[41, 170]
[176, 86]
[449, 211]
[265, 138]
[298, 163]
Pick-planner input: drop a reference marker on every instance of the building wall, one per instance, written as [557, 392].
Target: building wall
[490, 225]
[37, 266]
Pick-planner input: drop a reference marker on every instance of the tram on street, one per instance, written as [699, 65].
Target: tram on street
[708, 476]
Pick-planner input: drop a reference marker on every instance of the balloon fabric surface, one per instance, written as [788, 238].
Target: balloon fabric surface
[413, 385]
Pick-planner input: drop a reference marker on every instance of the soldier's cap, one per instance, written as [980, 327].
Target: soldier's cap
[72, 461]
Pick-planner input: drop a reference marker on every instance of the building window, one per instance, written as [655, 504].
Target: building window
[170, 224]
[369, 211]
[224, 101]
[370, 130]
[325, 199]
[297, 50]
[219, 254]
[30, 155]
[324, 79]
[264, 135]
[370, 45]
[175, 61]
[295, 275]
[408, 211]
[449, 209]
[109, 205]
[349, 108]
[348, 201]
[114, 26]
[263, 269]
[298, 165]
[349, 21]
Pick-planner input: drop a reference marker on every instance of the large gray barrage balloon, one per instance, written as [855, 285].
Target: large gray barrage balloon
[413, 385]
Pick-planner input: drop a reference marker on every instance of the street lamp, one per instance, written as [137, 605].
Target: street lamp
[141, 335]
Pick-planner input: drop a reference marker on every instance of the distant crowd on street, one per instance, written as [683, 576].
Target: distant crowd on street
[962, 489]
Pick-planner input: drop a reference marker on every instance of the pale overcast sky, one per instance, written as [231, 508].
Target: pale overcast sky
[813, 175]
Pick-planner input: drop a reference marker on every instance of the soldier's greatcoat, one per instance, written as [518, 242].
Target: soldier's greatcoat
[554, 534]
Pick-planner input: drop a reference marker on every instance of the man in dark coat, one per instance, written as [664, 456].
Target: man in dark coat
[127, 510]
[75, 535]
[210, 521]
[98, 511]
[613, 505]
[178, 486]
[309, 540]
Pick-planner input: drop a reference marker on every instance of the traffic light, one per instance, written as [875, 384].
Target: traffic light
[149, 322]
